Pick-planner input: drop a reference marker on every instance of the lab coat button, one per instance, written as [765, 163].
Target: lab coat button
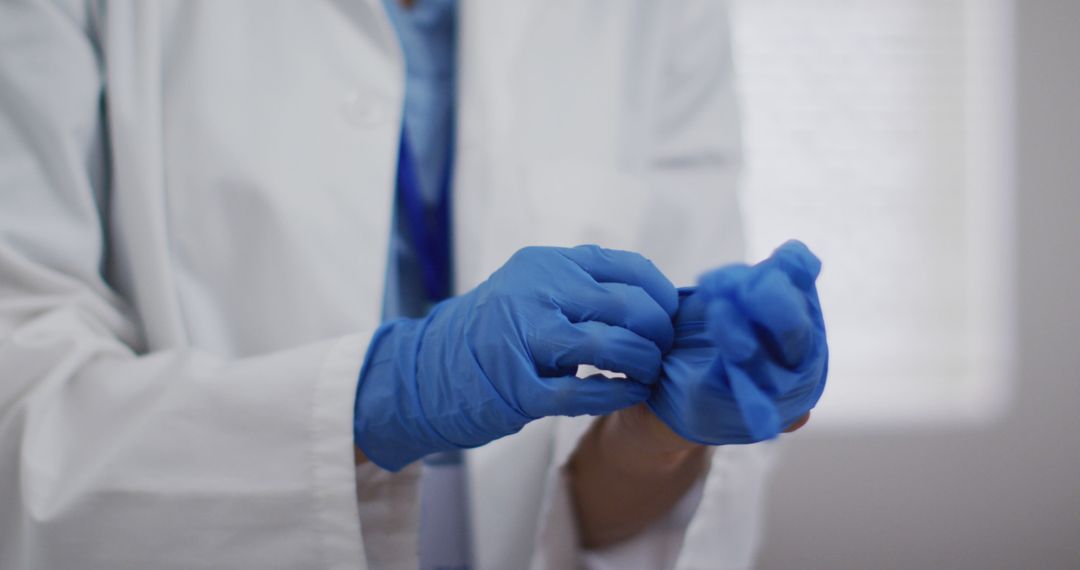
[364, 109]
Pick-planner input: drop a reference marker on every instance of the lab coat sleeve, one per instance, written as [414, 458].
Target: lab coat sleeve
[716, 525]
[115, 457]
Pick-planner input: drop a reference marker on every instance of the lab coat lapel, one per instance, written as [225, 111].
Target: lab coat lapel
[371, 22]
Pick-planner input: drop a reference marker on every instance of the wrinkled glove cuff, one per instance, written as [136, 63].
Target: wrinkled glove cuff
[388, 424]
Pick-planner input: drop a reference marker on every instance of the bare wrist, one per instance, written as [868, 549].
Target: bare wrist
[648, 432]
[628, 470]
[637, 443]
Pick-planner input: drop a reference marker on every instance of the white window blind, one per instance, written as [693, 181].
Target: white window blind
[878, 132]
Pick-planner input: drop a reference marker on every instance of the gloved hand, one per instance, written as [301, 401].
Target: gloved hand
[482, 365]
[750, 355]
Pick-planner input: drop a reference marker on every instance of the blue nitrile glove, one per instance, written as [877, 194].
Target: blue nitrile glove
[482, 365]
[750, 355]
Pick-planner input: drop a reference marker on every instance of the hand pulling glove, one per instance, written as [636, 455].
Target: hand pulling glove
[482, 365]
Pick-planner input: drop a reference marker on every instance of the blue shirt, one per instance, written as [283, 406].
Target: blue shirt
[427, 33]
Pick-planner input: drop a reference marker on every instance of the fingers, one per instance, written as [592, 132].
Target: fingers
[621, 305]
[594, 396]
[800, 265]
[803, 268]
[731, 330]
[779, 299]
[723, 282]
[560, 349]
[616, 266]
[773, 303]
[759, 413]
[789, 388]
[765, 327]
[739, 349]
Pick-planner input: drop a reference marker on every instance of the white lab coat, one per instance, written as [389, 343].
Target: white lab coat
[195, 201]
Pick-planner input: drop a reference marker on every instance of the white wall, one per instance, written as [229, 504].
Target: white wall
[1005, 496]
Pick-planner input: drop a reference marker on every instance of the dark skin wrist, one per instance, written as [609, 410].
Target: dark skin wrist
[629, 470]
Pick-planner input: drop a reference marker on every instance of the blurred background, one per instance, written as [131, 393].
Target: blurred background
[929, 150]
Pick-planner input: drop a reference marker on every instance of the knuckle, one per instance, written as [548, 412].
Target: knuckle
[591, 339]
[635, 297]
[640, 262]
[537, 253]
[560, 396]
[525, 253]
[620, 296]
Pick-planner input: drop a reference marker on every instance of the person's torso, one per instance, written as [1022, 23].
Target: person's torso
[254, 145]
